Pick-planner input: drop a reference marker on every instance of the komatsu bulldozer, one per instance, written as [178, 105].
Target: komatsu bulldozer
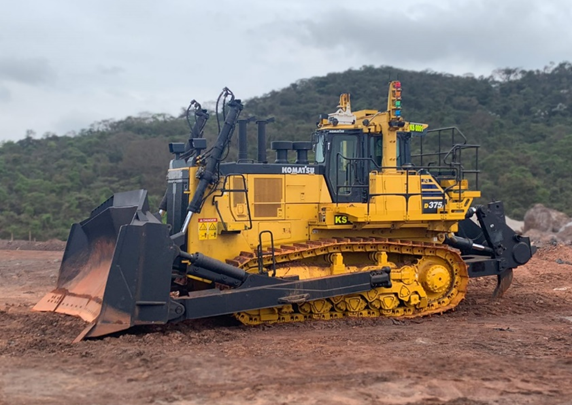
[368, 228]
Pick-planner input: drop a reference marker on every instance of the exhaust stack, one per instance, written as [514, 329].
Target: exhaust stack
[262, 138]
[302, 149]
[242, 139]
[281, 148]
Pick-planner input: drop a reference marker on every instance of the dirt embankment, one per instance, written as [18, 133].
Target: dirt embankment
[51, 245]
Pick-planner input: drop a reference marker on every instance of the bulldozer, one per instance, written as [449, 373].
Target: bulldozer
[380, 223]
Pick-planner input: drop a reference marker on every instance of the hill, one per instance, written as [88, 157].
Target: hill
[522, 119]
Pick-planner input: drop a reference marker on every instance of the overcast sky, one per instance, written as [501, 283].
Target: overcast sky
[65, 64]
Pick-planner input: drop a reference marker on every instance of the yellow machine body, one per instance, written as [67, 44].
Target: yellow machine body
[298, 208]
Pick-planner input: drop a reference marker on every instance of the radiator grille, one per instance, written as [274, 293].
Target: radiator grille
[238, 197]
[267, 197]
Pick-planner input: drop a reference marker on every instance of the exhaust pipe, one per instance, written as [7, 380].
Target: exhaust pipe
[262, 138]
[242, 139]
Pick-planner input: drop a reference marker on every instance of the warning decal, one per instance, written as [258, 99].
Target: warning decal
[212, 231]
[208, 228]
[208, 220]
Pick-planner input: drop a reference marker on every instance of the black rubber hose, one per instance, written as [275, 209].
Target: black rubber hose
[215, 155]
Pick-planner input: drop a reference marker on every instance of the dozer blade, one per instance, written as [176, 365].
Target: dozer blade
[116, 268]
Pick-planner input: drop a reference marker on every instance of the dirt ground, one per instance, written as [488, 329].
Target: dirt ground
[516, 350]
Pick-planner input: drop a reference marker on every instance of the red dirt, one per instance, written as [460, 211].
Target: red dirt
[516, 350]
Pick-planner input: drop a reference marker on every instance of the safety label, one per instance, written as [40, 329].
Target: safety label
[208, 228]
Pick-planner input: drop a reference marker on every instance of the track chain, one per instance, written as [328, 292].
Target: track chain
[363, 304]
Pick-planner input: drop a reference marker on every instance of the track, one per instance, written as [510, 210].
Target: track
[427, 278]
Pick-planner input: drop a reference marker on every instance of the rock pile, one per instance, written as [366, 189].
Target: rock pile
[547, 226]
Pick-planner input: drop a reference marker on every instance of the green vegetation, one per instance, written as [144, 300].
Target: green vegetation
[522, 119]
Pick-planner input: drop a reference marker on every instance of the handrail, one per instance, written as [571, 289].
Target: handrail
[457, 147]
[351, 160]
[224, 190]
[451, 156]
[259, 252]
[453, 129]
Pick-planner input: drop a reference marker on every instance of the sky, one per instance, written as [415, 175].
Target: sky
[65, 64]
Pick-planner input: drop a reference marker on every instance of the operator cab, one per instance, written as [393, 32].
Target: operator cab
[349, 155]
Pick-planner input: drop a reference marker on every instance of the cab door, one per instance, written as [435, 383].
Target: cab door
[347, 169]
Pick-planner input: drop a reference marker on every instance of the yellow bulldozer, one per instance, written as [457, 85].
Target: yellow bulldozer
[380, 223]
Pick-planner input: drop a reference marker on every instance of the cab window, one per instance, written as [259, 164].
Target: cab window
[342, 170]
[375, 152]
[320, 148]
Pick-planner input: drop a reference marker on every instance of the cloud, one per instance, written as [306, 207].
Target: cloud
[110, 70]
[77, 118]
[5, 95]
[73, 62]
[31, 71]
[481, 35]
